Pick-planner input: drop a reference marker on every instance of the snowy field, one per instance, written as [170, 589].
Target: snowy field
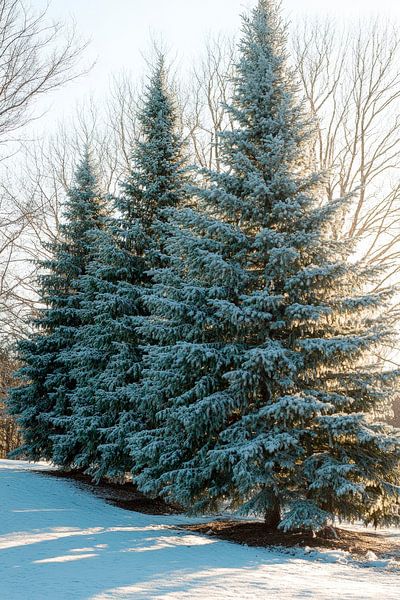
[58, 542]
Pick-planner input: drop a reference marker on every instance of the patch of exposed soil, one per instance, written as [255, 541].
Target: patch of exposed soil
[250, 533]
[254, 533]
[124, 495]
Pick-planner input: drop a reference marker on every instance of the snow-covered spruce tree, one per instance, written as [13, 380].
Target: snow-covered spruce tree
[261, 393]
[41, 402]
[106, 359]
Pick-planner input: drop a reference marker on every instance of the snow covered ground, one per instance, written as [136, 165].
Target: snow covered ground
[58, 542]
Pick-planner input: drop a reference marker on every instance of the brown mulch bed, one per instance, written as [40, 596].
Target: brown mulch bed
[250, 533]
[254, 533]
[124, 495]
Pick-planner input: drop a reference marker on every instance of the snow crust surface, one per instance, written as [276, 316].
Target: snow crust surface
[59, 543]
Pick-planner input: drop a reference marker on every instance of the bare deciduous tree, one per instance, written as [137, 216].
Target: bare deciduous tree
[205, 98]
[352, 82]
[9, 434]
[36, 58]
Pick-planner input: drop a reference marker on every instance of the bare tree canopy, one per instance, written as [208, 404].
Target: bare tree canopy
[36, 58]
[206, 98]
[352, 82]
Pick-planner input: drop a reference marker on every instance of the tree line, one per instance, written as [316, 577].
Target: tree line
[210, 330]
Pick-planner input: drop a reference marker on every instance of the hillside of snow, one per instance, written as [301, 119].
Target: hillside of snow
[58, 542]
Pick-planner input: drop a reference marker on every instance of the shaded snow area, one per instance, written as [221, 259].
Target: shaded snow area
[58, 542]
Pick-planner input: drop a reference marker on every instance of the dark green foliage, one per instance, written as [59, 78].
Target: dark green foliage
[42, 402]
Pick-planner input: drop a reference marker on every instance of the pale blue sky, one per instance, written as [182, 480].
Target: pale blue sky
[120, 30]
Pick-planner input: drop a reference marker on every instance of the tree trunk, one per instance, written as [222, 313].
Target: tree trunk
[272, 517]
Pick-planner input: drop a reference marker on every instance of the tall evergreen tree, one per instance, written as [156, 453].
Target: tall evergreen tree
[262, 391]
[106, 359]
[41, 402]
